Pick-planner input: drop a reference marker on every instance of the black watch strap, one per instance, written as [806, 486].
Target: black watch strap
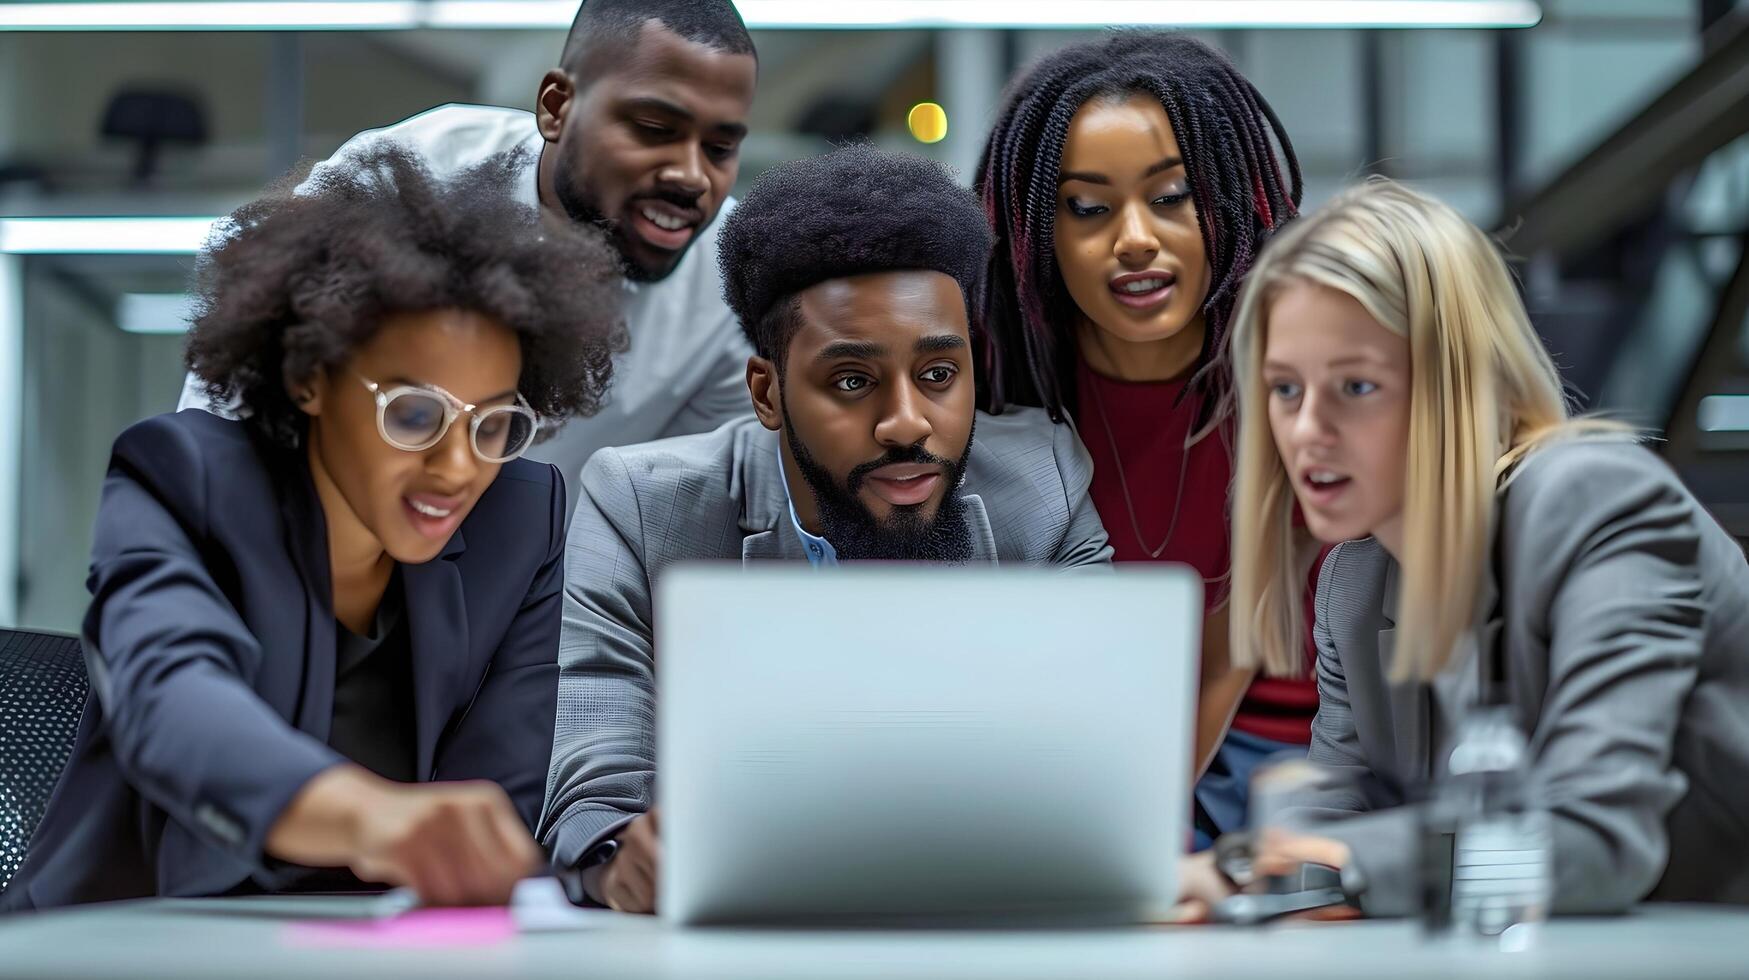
[598, 855]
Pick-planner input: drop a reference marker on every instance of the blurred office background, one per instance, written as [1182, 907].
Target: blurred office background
[1606, 143]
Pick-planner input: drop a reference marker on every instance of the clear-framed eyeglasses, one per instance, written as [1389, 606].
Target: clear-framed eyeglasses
[414, 419]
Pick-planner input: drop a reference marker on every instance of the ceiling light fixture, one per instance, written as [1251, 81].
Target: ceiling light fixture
[388, 15]
[93, 236]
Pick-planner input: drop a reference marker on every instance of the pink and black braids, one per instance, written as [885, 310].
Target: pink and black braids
[1027, 347]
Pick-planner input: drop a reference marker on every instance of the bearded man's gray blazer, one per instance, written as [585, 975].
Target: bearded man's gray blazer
[721, 496]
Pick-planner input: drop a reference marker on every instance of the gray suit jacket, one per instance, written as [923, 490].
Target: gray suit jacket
[720, 496]
[1625, 625]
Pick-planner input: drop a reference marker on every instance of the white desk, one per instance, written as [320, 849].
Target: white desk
[238, 940]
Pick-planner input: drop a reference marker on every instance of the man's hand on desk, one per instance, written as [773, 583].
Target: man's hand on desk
[452, 843]
[627, 882]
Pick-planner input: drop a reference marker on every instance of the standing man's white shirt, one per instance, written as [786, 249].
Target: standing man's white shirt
[686, 365]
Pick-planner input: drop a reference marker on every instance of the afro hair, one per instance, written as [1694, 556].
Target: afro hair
[294, 282]
[852, 211]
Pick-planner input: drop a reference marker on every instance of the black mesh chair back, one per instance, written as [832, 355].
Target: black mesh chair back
[42, 695]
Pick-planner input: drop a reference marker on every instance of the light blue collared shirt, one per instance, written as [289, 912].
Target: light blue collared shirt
[820, 552]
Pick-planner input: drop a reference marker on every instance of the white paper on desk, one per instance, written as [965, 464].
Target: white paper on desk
[540, 905]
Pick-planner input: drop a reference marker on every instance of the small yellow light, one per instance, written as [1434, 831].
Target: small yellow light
[928, 122]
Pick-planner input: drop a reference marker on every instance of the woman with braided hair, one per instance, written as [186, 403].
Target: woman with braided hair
[1130, 182]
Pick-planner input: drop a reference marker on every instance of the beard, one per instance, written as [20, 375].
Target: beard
[854, 531]
[582, 205]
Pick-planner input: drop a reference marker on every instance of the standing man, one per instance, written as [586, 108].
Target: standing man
[638, 131]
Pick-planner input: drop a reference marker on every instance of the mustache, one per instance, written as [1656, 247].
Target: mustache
[909, 454]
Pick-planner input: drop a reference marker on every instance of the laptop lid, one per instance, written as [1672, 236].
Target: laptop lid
[896, 742]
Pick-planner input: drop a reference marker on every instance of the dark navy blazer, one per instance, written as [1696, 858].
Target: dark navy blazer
[211, 643]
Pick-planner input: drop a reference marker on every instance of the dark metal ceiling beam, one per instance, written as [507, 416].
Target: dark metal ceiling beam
[1624, 175]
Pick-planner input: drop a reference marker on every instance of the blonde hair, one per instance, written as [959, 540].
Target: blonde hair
[1483, 392]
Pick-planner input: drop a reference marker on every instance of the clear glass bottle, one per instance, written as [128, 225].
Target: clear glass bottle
[1501, 876]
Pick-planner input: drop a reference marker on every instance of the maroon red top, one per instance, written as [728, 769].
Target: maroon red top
[1148, 426]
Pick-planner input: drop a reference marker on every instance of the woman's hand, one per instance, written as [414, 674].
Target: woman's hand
[1200, 886]
[1281, 852]
[1278, 853]
[452, 843]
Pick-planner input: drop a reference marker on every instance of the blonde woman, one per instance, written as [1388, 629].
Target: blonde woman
[1390, 382]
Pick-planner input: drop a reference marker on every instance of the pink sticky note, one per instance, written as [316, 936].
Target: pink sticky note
[417, 928]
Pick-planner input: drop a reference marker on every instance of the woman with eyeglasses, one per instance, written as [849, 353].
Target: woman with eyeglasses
[323, 639]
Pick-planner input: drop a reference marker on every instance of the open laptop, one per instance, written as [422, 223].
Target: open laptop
[884, 744]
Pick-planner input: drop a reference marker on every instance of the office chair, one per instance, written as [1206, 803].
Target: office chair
[42, 695]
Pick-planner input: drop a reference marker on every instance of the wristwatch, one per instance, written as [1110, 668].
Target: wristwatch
[578, 879]
[598, 855]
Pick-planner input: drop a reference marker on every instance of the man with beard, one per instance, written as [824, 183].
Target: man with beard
[638, 131]
[851, 274]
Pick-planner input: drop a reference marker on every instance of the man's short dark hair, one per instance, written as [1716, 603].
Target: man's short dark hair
[615, 25]
[853, 211]
[293, 283]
